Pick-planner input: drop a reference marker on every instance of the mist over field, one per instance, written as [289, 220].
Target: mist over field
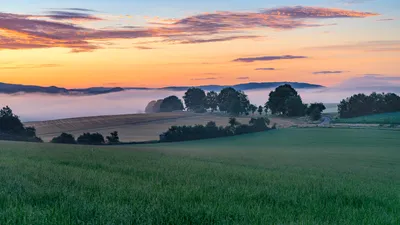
[37, 107]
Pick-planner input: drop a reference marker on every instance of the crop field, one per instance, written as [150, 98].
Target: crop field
[287, 176]
[136, 127]
[386, 118]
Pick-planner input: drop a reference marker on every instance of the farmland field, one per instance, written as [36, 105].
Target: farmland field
[288, 176]
[137, 127]
[386, 118]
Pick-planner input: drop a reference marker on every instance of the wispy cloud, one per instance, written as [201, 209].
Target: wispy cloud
[386, 19]
[368, 46]
[144, 48]
[75, 9]
[355, 1]
[242, 78]
[54, 29]
[70, 16]
[265, 69]
[330, 72]
[268, 58]
[205, 78]
[211, 40]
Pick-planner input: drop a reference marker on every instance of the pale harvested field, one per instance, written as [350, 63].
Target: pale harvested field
[137, 127]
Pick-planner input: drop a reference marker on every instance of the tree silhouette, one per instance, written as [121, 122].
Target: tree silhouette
[295, 107]
[212, 101]
[260, 110]
[233, 102]
[195, 100]
[170, 104]
[64, 138]
[253, 108]
[278, 99]
[314, 111]
[113, 138]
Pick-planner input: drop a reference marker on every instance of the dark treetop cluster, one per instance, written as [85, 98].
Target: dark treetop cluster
[362, 105]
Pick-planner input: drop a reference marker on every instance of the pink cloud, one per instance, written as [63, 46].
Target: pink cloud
[19, 31]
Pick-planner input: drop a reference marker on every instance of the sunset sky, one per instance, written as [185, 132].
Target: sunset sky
[155, 43]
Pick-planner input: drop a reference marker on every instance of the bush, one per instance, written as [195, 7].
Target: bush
[91, 139]
[210, 130]
[113, 138]
[64, 138]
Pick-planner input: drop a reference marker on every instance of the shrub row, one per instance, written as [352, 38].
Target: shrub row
[87, 139]
[211, 130]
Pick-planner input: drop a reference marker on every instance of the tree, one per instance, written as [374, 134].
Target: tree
[12, 128]
[260, 110]
[150, 107]
[195, 100]
[233, 102]
[314, 111]
[64, 138]
[91, 139]
[212, 101]
[253, 108]
[279, 98]
[233, 122]
[295, 107]
[244, 102]
[113, 138]
[225, 98]
[9, 122]
[235, 107]
[259, 124]
[170, 104]
[266, 109]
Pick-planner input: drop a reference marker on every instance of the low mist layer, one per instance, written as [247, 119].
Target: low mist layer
[37, 107]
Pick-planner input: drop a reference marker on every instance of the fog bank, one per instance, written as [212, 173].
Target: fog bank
[36, 107]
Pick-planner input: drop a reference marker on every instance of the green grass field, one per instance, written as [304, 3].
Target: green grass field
[386, 118]
[288, 176]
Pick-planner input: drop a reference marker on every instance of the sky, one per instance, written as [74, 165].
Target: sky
[156, 43]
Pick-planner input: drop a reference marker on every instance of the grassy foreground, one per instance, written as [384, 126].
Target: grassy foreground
[292, 176]
[385, 118]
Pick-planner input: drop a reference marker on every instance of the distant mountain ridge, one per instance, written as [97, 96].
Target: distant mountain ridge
[20, 88]
[247, 86]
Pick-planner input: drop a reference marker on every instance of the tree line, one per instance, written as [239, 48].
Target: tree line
[362, 105]
[87, 139]
[211, 130]
[284, 101]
